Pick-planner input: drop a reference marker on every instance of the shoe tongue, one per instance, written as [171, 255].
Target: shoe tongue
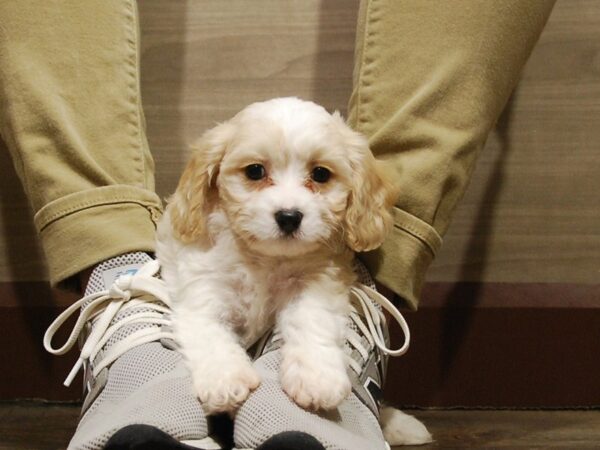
[105, 273]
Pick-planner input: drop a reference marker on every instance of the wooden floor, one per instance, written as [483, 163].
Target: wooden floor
[44, 427]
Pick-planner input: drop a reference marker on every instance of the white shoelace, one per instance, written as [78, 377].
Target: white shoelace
[142, 289]
[373, 331]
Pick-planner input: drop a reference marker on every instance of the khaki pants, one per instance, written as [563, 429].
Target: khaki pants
[430, 79]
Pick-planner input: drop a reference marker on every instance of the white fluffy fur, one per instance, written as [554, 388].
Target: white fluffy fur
[402, 429]
[233, 273]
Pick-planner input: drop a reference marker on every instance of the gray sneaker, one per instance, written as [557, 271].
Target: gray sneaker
[139, 393]
[270, 420]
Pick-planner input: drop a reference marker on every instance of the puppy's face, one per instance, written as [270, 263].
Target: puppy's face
[290, 177]
[285, 185]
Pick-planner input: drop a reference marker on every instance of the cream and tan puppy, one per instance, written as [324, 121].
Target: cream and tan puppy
[260, 232]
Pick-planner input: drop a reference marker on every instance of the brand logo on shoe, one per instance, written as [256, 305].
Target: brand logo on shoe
[109, 276]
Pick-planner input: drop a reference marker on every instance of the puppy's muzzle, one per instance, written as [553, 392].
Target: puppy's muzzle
[288, 220]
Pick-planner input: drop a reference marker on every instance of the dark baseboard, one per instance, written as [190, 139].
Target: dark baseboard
[501, 345]
[473, 345]
[26, 310]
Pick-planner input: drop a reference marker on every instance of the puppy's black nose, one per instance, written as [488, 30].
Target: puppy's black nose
[288, 220]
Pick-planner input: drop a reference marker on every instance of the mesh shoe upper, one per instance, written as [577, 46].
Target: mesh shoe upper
[353, 425]
[132, 373]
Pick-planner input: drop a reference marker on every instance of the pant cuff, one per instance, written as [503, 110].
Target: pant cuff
[403, 259]
[83, 229]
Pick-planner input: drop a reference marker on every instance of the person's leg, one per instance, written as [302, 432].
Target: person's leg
[431, 77]
[70, 113]
[430, 80]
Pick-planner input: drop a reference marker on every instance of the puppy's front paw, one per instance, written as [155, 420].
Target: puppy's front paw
[226, 389]
[314, 382]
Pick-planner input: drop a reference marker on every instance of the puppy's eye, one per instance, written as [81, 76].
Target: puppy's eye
[320, 174]
[255, 171]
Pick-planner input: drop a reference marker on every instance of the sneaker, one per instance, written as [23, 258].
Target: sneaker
[138, 391]
[270, 420]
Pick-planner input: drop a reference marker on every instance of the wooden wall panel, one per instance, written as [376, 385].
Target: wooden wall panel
[21, 257]
[205, 62]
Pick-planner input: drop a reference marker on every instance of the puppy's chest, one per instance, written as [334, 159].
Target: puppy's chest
[261, 293]
[281, 285]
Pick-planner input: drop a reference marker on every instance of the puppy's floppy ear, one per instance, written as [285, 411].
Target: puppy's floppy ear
[190, 204]
[372, 194]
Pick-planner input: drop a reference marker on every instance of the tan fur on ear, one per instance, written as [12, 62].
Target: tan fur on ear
[190, 204]
[368, 216]
[373, 193]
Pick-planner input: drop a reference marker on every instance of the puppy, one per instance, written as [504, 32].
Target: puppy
[261, 231]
